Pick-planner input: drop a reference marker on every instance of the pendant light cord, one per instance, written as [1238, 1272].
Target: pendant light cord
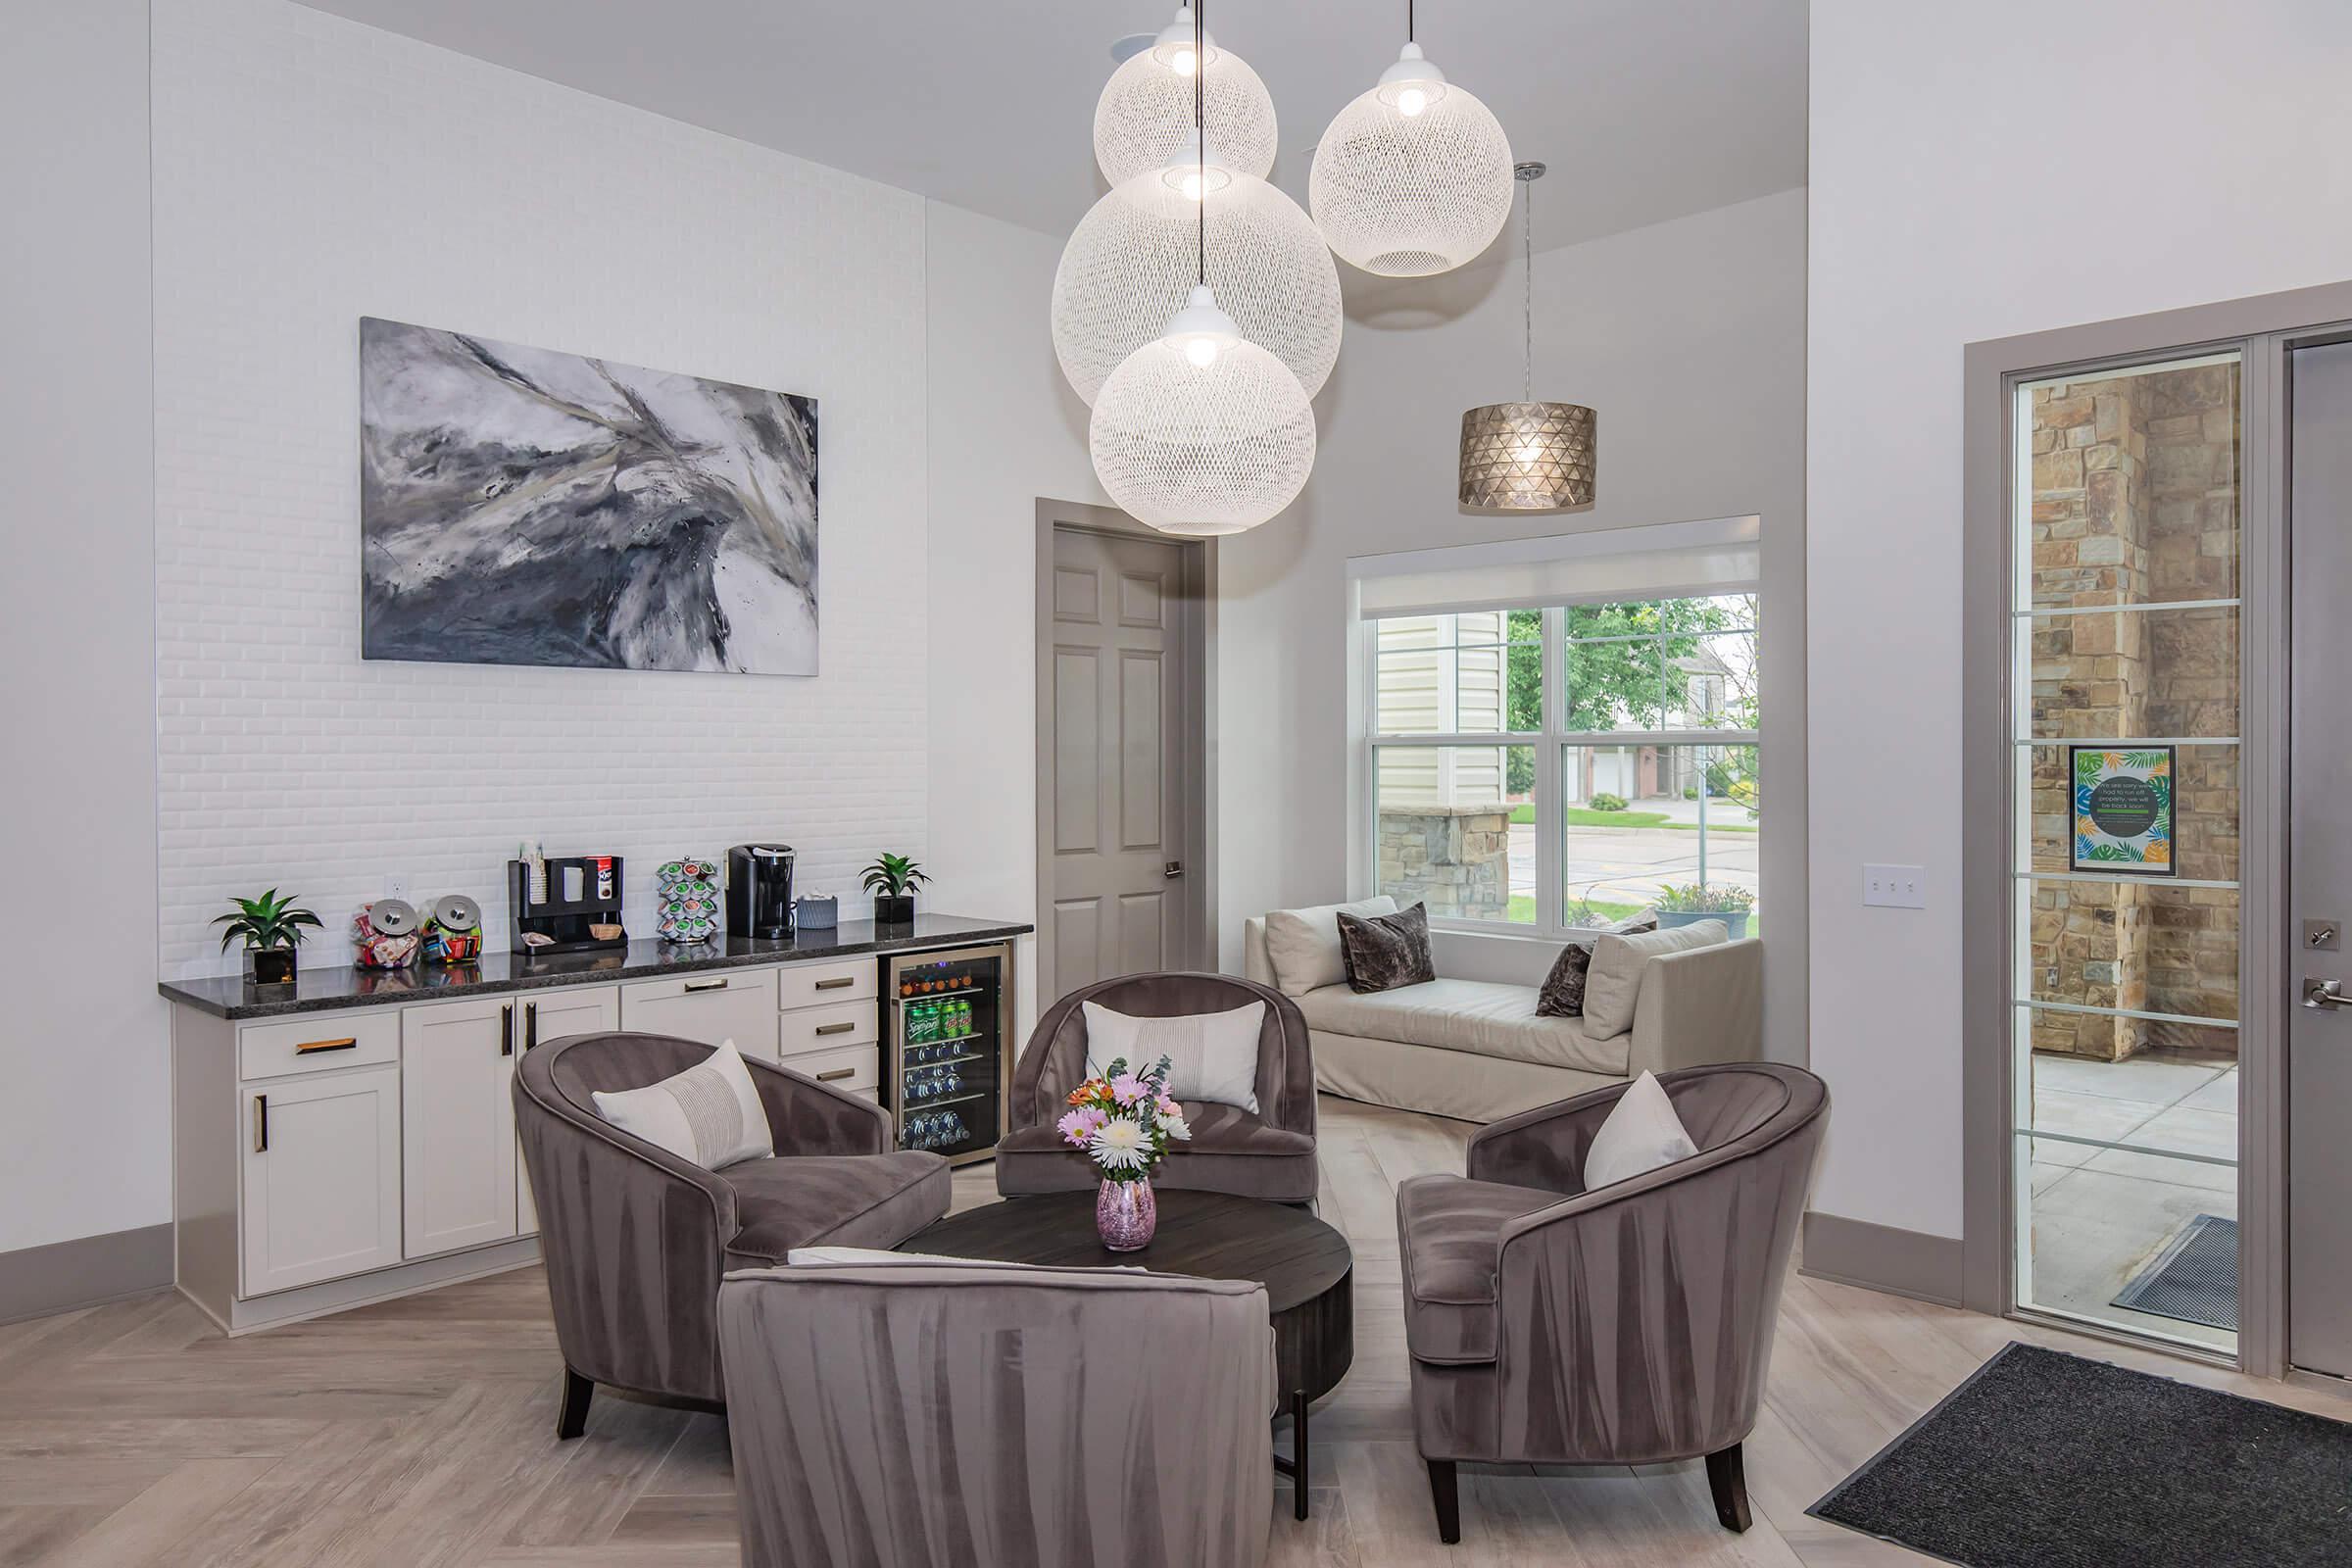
[1408, 20]
[1527, 235]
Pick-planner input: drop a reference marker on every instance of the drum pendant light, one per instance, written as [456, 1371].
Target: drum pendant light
[1414, 176]
[1527, 456]
[1201, 431]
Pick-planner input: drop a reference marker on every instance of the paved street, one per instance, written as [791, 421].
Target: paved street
[1629, 864]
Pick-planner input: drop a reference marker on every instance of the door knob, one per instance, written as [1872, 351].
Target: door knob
[2324, 994]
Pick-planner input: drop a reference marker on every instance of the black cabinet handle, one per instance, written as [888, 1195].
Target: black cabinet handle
[261, 1124]
[530, 1024]
[506, 1030]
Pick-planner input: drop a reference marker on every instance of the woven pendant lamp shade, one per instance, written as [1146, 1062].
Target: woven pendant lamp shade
[1132, 262]
[1527, 457]
[1413, 177]
[1143, 120]
[1203, 449]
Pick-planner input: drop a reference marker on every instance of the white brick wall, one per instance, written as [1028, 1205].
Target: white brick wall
[308, 171]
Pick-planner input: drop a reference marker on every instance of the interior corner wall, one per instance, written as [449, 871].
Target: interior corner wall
[1005, 430]
[1949, 206]
[1687, 338]
[82, 1044]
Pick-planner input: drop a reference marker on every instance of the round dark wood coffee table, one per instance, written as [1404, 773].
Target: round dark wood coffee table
[1303, 1264]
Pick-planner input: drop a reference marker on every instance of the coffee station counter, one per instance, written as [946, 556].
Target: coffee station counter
[332, 990]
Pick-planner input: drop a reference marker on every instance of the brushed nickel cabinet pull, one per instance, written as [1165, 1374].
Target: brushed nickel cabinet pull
[835, 1028]
[308, 1045]
[837, 981]
[838, 1072]
[706, 985]
[261, 1124]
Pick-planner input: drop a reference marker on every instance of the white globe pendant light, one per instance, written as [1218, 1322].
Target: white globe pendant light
[1201, 431]
[1414, 176]
[1131, 263]
[1143, 120]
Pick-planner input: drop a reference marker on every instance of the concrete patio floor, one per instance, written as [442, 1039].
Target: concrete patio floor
[2099, 1215]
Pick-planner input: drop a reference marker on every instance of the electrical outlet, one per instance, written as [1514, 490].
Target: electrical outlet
[1895, 887]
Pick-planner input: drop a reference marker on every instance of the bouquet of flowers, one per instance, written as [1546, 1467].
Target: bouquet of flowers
[1125, 1121]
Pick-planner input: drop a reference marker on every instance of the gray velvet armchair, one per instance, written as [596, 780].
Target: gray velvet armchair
[1626, 1325]
[1269, 1154]
[636, 1239]
[951, 1415]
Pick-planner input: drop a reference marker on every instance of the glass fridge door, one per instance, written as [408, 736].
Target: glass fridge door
[951, 1058]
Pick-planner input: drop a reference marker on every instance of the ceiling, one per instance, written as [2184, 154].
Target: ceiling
[1645, 110]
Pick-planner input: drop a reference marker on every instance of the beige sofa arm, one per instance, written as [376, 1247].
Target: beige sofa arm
[1700, 1006]
[1256, 962]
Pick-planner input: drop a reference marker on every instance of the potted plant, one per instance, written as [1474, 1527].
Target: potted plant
[271, 927]
[1691, 902]
[1125, 1122]
[892, 879]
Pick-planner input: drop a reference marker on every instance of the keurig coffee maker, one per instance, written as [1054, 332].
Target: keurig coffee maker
[760, 891]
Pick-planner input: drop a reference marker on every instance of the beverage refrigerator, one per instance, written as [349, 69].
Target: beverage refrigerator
[948, 1023]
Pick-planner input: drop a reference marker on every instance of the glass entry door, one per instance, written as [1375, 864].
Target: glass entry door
[2124, 688]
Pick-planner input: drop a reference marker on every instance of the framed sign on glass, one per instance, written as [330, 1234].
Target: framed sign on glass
[2123, 810]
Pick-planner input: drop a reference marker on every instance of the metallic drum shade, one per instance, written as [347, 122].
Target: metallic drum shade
[1527, 457]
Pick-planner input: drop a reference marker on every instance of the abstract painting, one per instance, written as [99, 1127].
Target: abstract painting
[519, 506]
[2123, 810]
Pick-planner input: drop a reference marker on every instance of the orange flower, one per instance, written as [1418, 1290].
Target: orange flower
[1088, 1090]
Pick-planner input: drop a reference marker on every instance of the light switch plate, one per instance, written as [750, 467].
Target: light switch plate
[1895, 887]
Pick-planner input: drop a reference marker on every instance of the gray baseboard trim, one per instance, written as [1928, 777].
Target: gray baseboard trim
[1881, 1258]
[86, 1271]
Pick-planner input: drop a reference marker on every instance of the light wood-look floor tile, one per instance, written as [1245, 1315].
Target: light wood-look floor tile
[420, 1433]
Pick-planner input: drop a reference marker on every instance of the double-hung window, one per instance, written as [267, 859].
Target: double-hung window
[1553, 766]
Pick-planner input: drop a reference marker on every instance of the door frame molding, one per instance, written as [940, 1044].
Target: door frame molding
[2266, 329]
[1197, 690]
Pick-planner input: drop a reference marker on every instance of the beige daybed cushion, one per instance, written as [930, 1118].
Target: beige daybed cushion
[1478, 1017]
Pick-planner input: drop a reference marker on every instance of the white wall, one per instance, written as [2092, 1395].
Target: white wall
[1981, 170]
[1687, 338]
[82, 1042]
[1005, 429]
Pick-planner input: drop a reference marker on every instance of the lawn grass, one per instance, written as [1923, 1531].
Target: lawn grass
[1523, 908]
[1523, 815]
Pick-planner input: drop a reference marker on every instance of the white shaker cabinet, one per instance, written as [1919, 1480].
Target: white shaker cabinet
[457, 1164]
[551, 1015]
[738, 1005]
[321, 1178]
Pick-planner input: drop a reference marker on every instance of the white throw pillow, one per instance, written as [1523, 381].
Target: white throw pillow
[709, 1115]
[1211, 1056]
[1614, 979]
[1641, 1133]
[1303, 945]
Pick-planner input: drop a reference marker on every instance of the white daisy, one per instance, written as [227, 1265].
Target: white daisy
[1175, 1126]
[1119, 1144]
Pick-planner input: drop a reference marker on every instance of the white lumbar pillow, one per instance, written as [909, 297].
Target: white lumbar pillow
[1211, 1056]
[1640, 1134]
[709, 1115]
[1303, 945]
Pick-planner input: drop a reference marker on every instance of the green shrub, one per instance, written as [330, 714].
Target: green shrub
[1606, 802]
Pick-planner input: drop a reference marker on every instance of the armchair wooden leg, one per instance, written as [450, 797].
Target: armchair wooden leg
[1443, 1493]
[1727, 1478]
[573, 1419]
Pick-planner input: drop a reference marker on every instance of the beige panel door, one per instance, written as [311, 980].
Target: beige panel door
[1118, 769]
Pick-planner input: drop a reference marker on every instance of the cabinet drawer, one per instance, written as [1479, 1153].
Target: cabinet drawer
[805, 985]
[859, 1067]
[738, 1005]
[840, 1024]
[313, 1044]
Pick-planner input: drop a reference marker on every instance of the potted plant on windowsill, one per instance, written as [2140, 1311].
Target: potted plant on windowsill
[1691, 902]
[271, 927]
[892, 879]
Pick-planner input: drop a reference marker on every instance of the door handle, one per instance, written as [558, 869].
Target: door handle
[506, 1030]
[261, 1124]
[530, 1024]
[1175, 870]
[706, 985]
[2324, 994]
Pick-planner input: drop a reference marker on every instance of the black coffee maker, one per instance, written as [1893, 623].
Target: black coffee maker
[760, 890]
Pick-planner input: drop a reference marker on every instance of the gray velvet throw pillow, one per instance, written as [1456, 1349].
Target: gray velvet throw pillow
[1563, 992]
[1387, 951]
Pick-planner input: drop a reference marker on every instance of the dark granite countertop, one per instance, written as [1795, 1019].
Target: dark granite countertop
[325, 989]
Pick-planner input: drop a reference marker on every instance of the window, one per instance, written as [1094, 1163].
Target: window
[1549, 769]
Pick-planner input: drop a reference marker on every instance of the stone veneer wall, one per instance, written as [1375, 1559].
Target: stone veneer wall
[1455, 859]
[2135, 500]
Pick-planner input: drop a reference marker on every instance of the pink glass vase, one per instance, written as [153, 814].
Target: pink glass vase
[1126, 1214]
